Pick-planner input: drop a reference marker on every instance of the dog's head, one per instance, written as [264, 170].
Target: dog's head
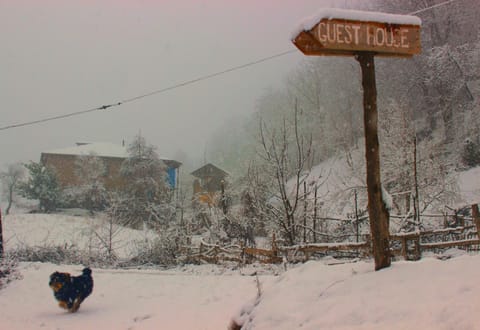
[58, 280]
[87, 271]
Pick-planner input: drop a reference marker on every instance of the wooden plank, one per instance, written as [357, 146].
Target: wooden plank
[450, 244]
[261, 252]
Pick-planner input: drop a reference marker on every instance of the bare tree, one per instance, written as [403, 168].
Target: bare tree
[10, 178]
[287, 168]
[111, 226]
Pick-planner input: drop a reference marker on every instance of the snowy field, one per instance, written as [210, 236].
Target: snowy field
[132, 299]
[80, 232]
[429, 294]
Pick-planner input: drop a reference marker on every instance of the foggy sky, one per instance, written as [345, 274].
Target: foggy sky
[59, 57]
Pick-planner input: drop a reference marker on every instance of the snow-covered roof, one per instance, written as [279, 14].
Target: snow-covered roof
[102, 149]
[354, 15]
[209, 170]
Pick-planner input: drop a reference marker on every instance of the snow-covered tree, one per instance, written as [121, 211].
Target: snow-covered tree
[41, 185]
[471, 153]
[91, 169]
[146, 194]
[397, 133]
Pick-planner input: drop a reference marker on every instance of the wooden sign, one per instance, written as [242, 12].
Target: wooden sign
[343, 35]
[365, 35]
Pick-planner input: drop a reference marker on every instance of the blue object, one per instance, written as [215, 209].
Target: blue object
[172, 177]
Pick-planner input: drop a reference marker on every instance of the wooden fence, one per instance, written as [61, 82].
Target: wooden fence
[414, 243]
[408, 246]
[213, 253]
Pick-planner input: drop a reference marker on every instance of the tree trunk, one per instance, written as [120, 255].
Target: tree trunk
[377, 210]
[417, 197]
[315, 216]
[357, 225]
[1, 236]
[304, 211]
[10, 200]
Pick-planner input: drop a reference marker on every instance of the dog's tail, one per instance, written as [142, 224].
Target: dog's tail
[86, 271]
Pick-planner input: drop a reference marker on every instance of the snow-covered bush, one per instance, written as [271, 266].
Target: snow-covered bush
[164, 250]
[471, 153]
[60, 255]
[8, 270]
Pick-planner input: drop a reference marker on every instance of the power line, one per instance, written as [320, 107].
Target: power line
[185, 83]
[432, 7]
[189, 82]
[159, 91]
[103, 107]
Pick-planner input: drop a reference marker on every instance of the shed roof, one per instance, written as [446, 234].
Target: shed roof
[209, 170]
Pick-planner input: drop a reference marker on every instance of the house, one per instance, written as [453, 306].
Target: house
[209, 184]
[63, 163]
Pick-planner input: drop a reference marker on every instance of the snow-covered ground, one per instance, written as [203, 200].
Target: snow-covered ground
[133, 299]
[79, 232]
[428, 294]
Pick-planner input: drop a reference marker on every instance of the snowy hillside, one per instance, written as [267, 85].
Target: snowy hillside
[339, 181]
[336, 182]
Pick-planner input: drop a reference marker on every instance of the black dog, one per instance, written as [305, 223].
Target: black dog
[70, 291]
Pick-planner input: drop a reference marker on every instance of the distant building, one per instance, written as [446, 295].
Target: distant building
[63, 163]
[209, 184]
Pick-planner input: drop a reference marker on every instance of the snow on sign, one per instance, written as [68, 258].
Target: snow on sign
[347, 32]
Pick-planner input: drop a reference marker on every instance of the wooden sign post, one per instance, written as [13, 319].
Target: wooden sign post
[364, 35]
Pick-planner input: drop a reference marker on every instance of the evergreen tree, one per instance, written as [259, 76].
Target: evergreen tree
[41, 185]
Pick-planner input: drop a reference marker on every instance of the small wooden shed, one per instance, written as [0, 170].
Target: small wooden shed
[209, 183]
